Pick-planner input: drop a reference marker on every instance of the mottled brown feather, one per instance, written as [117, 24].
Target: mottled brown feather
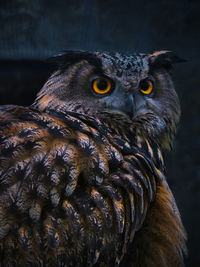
[83, 189]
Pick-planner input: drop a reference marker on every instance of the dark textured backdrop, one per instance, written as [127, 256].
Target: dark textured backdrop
[34, 30]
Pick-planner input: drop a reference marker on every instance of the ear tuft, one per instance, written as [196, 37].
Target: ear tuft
[68, 58]
[164, 58]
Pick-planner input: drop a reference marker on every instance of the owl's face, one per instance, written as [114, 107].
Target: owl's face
[137, 87]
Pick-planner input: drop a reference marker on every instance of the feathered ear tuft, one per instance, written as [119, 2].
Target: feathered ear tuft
[164, 59]
[68, 58]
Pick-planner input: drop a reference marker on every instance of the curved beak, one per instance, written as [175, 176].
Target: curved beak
[123, 105]
[128, 107]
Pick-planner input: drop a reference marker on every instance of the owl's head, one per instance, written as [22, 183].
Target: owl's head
[136, 88]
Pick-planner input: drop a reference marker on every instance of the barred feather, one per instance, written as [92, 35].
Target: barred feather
[47, 189]
[82, 188]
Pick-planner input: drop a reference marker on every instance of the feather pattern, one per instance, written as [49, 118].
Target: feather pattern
[45, 194]
[82, 177]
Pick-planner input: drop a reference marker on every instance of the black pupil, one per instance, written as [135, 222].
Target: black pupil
[144, 85]
[102, 84]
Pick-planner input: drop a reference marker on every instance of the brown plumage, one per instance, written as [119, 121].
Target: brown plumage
[82, 176]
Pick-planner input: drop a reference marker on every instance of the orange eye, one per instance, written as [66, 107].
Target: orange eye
[101, 86]
[146, 87]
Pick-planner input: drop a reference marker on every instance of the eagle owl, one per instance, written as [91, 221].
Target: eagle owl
[82, 176]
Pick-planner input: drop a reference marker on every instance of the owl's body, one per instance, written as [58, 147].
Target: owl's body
[82, 177]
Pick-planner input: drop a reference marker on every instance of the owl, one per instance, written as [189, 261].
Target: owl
[82, 175]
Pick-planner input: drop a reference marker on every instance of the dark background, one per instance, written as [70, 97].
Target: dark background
[32, 31]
